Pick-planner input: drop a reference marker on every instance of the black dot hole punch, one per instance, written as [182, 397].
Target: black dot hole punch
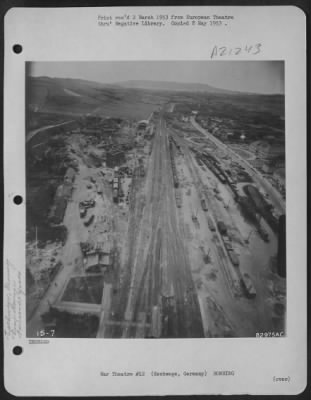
[17, 48]
[18, 200]
[17, 350]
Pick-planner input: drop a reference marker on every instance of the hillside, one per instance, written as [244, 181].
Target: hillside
[76, 97]
[172, 86]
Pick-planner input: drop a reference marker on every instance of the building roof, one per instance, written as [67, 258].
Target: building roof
[104, 259]
[107, 247]
[92, 260]
[103, 247]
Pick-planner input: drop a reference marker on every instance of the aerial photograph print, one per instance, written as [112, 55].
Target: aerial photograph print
[155, 199]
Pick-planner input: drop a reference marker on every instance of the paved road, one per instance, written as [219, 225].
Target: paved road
[275, 196]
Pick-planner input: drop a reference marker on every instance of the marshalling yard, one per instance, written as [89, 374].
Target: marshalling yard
[166, 232]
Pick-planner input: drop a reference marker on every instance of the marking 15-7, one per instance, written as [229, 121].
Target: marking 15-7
[46, 332]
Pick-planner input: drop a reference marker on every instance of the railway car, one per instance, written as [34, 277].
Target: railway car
[234, 258]
[204, 205]
[89, 221]
[82, 212]
[222, 227]
[211, 224]
[247, 286]
[115, 195]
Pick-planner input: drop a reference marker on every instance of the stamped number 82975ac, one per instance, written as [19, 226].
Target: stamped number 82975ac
[269, 334]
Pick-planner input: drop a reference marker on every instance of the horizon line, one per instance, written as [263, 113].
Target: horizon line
[160, 81]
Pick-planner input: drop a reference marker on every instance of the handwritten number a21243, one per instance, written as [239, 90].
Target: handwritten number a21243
[227, 51]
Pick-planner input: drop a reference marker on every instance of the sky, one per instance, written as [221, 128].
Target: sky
[266, 77]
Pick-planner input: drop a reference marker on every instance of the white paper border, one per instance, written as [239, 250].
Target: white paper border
[71, 367]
